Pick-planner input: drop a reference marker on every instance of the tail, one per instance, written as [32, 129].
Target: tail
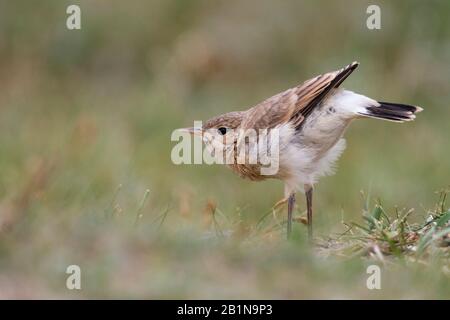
[391, 111]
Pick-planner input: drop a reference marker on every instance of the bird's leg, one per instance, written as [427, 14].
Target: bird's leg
[309, 195]
[291, 203]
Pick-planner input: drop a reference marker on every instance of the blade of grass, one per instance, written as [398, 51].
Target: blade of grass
[442, 220]
[139, 210]
[109, 210]
[431, 238]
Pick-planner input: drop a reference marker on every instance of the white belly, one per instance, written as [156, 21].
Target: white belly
[316, 148]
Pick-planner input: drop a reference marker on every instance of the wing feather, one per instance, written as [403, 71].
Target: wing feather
[295, 104]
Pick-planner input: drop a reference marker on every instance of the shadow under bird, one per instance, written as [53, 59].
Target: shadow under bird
[311, 119]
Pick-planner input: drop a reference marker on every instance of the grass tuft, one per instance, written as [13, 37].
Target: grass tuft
[394, 237]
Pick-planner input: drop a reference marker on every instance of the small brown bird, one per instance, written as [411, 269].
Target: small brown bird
[311, 119]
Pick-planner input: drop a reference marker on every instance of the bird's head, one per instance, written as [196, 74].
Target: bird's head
[219, 133]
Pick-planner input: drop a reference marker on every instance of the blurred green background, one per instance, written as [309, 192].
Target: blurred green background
[85, 123]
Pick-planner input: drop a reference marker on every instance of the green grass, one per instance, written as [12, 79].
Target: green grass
[394, 239]
[97, 189]
[129, 247]
[85, 170]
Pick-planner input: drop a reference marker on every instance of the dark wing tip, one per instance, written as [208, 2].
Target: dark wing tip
[337, 77]
[353, 65]
[344, 73]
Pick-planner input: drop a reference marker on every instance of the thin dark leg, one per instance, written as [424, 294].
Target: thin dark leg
[291, 203]
[309, 194]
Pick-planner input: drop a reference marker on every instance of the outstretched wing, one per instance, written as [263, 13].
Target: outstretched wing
[295, 104]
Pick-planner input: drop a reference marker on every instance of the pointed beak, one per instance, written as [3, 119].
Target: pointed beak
[192, 130]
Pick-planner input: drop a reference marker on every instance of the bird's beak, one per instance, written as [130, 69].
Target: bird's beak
[193, 130]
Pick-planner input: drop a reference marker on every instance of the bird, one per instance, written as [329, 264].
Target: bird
[311, 120]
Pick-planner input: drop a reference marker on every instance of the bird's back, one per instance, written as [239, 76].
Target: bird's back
[310, 120]
[287, 112]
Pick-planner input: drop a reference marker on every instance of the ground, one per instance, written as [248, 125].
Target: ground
[86, 176]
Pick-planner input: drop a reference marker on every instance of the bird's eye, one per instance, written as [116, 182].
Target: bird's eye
[222, 130]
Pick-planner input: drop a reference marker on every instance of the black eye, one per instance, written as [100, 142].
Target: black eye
[222, 130]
